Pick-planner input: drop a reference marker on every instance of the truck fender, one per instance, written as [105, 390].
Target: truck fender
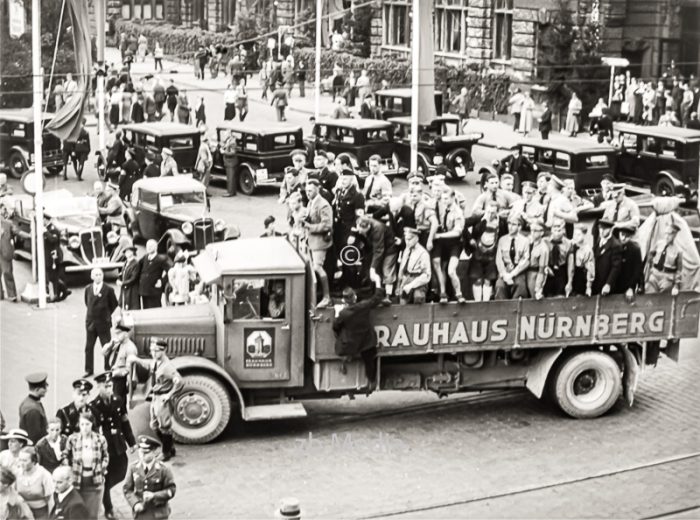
[538, 371]
[23, 151]
[185, 364]
[630, 374]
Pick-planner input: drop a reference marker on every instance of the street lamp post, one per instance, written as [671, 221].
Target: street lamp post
[415, 73]
[317, 91]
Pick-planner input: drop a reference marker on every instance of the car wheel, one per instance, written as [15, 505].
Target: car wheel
[246, 180]
[18, 165]
[587, 384]
[202, 410]
[664, 187]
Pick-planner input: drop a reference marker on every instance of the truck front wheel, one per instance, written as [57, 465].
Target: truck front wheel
[202, 410]
[587, 385]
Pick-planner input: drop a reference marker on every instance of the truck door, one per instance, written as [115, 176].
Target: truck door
[258, 331]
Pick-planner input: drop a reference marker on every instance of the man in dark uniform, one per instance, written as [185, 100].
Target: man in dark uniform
[608, 259]
[111, 416]
[129, 279]
[70, 414]
[32, 416]
[53, 259]
[324, 175]
[153, 269]
[149, 484]
[101, 302]
[631, 278]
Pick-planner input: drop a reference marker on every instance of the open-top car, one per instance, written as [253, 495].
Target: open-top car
[358, 140]
[444, 136]
[663, 158]
[396, 102]
[17, 143]
[182, 139]
[175, 211]
[262, 150]
[83, 242]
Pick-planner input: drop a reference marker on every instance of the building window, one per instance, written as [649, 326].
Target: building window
[503, 29]
[450, 25]
[228, 16]
[396, 24]
[142, 9]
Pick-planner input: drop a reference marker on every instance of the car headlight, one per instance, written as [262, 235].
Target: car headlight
[74, 242]
[219, 226]
[187, 228]
[112, 237]
[458, 160]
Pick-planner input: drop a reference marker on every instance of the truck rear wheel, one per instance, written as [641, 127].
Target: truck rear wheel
[587, 384]
[202, 410]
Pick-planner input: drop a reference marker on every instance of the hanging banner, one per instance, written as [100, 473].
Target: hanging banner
[18, 21]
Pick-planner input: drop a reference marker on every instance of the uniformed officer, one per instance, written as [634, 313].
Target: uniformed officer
[53, 259]
[165, 383]
[113, 422]
[665, 263]
[557, 270]
[70, 414]
[512, 260]
[116, 352]
[529, 207]
[539, 260]
[149, 485]
[32, 416]
[581, 264]
[620, 209]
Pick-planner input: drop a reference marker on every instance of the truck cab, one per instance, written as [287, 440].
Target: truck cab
[257, 344]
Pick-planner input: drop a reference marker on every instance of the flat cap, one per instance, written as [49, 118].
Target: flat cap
[298, 151]
[148, 443]
[37, 378]
[347, 171]
[83, 385]
[166, 151]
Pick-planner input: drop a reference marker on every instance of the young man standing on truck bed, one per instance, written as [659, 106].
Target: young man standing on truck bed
[414, 269]
[665, 263]
[620, 209]
[447, 244]
[539, 260]
[631, 278]
[512, 259]
[557, 272]
[581, 264]
[608, 259]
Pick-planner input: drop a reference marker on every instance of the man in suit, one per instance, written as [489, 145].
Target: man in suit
[149, 484]
[32, 416]
[129, 280]
[53, 259]
[101, 302]
[354, 331]
[111, 416]
[608, 259]
[153, 271]
[51, 446]
[545, 121]
[70, 414]
[7, 252]
[67, 504]
[319, 226]
[631, 278]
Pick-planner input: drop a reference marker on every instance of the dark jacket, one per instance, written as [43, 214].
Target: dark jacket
[608, 262]
[129, 297]
[71, 507]
[113, 421]
[100, 306]
[32, 418]
[354, 330]
[70, 416]
[327, 178]
[631, 270]
[159, 480]
[47, 457]
[546, 121]
[150, 272]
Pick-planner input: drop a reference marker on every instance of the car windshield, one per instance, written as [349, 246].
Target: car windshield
[69, 206]
[173, 199]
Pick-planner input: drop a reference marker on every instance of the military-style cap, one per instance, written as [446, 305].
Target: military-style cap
[411, 231]
[148, 443]
[608, 177]
[104, 377]
[604, 222]
[556, 181]
[347, 171]
[507, 175]
[37, 378]
[123, 327]
[546, 175]
[166, 151]
[528, 184]
[296, 152]
[616, 188]
[627, 227]
[160, 344]
[313, 182]
[83, 385]
[321, 153]
[415, 178]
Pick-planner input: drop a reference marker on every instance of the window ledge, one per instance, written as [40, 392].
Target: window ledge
[397, 48]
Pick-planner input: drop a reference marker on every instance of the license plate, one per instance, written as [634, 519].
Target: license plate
[261, 174]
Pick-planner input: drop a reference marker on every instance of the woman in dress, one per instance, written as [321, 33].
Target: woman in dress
[526, 114]
[126, 105]
[34, 483]
[12, 506]
[16, 439]
[115, 101]
[86, 454]
[573, 115]
[143, 48]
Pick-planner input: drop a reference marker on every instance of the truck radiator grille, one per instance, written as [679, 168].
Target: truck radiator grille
[92, 245]
[179, 346]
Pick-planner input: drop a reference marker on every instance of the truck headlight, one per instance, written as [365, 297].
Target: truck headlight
[74, 242]
[219, 226]
[187, 228]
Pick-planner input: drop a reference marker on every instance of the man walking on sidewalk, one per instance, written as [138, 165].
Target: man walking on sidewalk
[101, 302]
[7, 253]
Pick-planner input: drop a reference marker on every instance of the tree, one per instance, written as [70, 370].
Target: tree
[16, 55]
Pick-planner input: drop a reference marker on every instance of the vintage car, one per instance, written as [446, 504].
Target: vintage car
[175, 211]
[358, 139]
[83, 241]
[583, 160]
[442, 135]
[663, 158]
[262, 150]
[17, 143]
[183, 140]
[396, 102]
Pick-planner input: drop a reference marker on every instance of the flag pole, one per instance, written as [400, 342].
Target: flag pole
[38, 78]
[100, 16]
[415, 77]
[317, 91]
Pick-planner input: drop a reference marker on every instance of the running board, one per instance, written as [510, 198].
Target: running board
[274, 411]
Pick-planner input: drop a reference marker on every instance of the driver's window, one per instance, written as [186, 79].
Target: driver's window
[255, 298]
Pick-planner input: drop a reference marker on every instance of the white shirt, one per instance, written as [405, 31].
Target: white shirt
[56, 447]
[63, 495]
[96, 289]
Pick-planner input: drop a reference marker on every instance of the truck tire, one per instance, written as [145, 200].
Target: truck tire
[587, 384]
[202, 409]
[17, 164]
